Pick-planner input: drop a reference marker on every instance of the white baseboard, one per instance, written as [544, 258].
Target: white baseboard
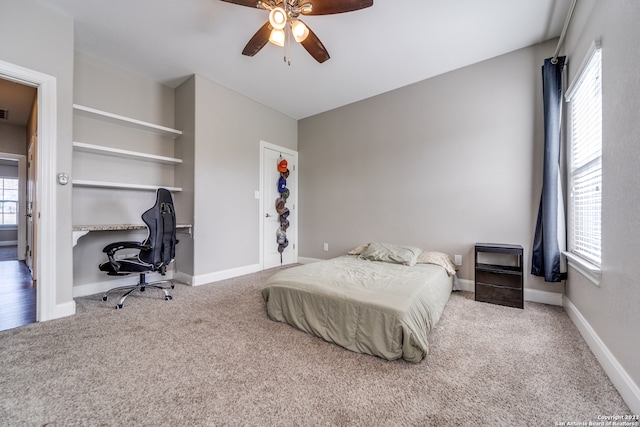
[464, 284]
[543, 297]
[220, 275]
[625, 385]
[64, 310]
[9, 243]
[183, 277]
[131, 279]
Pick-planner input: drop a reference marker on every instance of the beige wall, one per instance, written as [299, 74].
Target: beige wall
[227, 129]
[440, 164]
[611, 308]
[13, 139]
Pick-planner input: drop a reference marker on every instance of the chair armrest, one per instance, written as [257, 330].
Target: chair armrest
[112, 248]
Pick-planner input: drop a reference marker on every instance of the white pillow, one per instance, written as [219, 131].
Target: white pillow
[357, 250]
[388, 252]
[438, 258]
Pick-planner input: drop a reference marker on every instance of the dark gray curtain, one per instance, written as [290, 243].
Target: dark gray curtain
[546, 259]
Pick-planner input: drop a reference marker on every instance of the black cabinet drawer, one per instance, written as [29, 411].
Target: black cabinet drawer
[499, 295]
[501, 279]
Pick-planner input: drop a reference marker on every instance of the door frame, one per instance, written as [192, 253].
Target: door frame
[46, 280]
[294, 214]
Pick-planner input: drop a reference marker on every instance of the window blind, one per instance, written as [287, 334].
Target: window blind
[585, 203]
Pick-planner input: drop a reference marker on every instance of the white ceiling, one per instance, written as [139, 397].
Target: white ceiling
[374, 50]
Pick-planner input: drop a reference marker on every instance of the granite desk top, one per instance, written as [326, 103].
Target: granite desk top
[119, 227]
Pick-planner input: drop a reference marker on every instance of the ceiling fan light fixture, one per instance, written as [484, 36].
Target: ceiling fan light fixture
[306, 8]
[277, 37]
[278, 18]
[299, 31]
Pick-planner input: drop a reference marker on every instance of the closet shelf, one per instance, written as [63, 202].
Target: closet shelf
[101, 149]
[121, 185]
[93, 113]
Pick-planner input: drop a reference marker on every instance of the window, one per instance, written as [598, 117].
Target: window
[585, 161]
[8, 201]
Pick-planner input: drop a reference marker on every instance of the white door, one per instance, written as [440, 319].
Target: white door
[272, 220]
[31, 254]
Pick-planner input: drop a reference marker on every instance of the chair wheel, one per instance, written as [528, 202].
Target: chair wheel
[104, 298]
[168, 297]
[173, 286]
[118, 306]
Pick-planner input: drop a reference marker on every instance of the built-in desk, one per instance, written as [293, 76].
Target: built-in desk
[82, 230]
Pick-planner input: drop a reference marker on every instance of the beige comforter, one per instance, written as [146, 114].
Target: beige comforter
[371, 307]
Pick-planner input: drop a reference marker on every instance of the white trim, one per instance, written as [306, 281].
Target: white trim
[543, 297]
[183, 278]
[224, 274]
[625, 385]
[46, 189]
[595, 46]
[64, 309]
[9, 243]
[464, 284]
[584, 267]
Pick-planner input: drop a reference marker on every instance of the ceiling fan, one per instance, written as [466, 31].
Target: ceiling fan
[284, 16]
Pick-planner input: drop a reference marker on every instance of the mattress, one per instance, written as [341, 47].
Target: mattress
[372, 307]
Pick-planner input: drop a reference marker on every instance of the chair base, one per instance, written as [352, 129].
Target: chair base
[141, 286]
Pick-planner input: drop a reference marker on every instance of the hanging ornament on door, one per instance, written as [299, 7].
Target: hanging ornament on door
[281, 208]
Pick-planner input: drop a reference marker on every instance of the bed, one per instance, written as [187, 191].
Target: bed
[382, 304]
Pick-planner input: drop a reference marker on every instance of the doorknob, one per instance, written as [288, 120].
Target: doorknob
[268, 216]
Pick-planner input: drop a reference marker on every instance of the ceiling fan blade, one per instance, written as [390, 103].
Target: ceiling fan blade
[314, 46]
[258, 40]
[248, 3]
[329, 7]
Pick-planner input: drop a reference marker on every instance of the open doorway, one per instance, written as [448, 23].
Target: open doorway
[44, 213]
[18, 126]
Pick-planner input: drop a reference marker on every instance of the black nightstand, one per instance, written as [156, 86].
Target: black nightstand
[499, 278]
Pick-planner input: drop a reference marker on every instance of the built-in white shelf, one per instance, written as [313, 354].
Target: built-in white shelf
[101, 149]
[119, 120]
[120, 185]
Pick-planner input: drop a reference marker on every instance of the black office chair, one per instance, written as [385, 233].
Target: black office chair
[155, 253]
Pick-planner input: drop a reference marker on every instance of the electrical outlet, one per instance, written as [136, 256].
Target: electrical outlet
[325, 247]
[457, 259]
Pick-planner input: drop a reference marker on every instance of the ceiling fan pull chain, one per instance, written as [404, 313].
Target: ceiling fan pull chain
[287, 49]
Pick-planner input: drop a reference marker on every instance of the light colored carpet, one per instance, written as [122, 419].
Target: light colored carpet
[212, 357]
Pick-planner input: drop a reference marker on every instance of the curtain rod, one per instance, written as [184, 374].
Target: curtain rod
[554, 59]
